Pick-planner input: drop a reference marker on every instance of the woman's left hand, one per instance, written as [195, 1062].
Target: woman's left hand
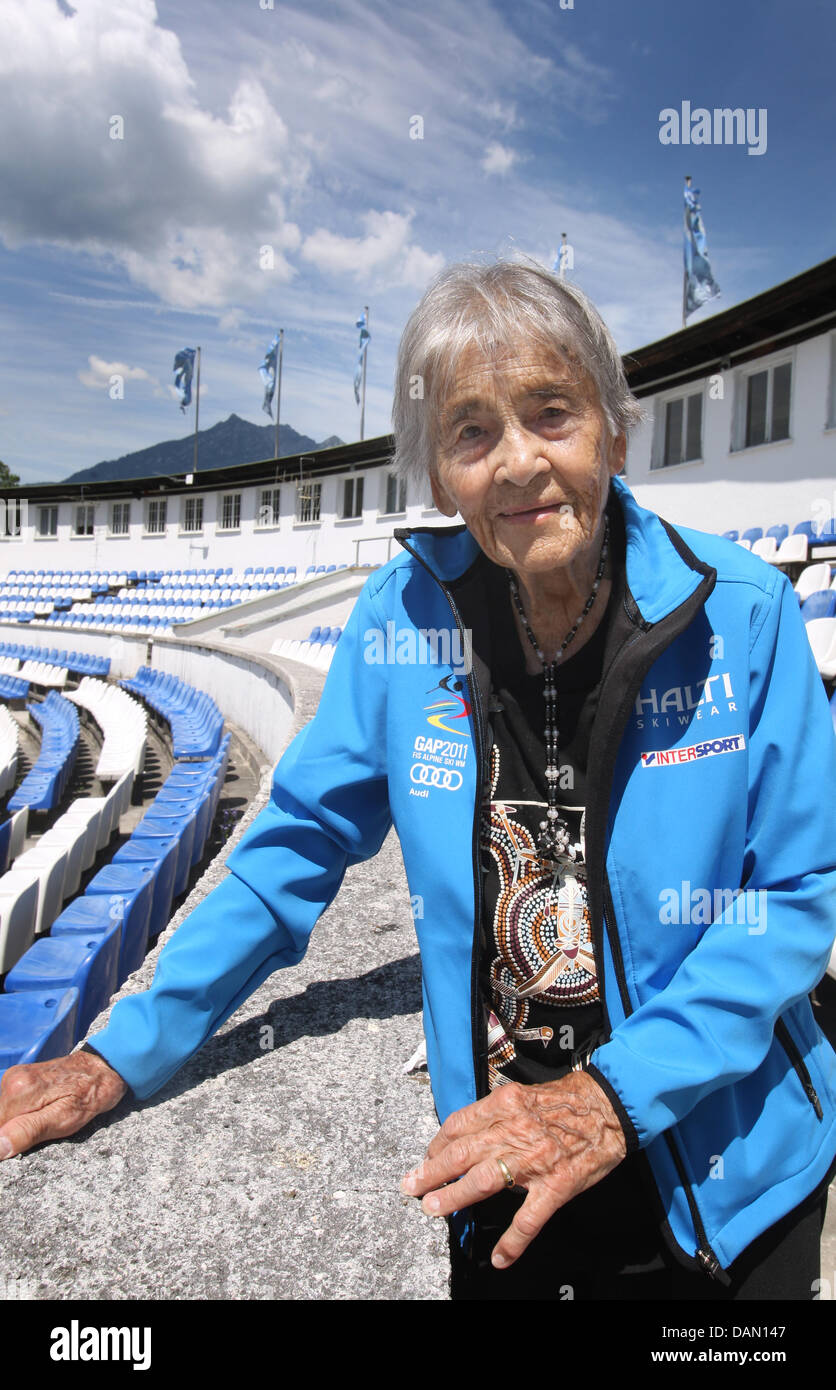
[555, 1139]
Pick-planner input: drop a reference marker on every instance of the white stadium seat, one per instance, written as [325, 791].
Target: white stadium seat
[822, 635]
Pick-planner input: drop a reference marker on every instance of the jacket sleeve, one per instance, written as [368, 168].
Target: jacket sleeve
[328, 809]
[713, 1023]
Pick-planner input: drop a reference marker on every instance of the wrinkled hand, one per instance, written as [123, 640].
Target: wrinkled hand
[51, 1100]
[557, 1139]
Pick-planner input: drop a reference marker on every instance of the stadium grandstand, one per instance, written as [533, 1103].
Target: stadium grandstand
[162, 638]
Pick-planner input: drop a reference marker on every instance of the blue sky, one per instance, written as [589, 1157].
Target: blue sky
[246, 126]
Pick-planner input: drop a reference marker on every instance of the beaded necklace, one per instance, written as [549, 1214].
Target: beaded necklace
[553, 840]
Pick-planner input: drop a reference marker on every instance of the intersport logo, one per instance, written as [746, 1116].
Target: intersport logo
[668, 757]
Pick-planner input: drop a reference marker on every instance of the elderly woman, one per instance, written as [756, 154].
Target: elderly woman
[609, 809]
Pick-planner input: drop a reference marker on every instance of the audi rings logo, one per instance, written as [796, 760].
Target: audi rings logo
[446, 777]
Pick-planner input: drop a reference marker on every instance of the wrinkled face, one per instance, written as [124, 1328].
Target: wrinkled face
[524, 456]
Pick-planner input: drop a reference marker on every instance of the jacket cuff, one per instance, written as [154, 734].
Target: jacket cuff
[630, 1135]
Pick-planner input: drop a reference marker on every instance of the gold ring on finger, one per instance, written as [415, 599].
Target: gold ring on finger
[507, 1176]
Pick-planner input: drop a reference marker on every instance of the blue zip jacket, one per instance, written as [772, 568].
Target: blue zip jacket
[711, 850]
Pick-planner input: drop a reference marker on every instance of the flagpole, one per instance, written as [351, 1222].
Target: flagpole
[279, 387]
[684, 294]
[196, 410]
[365, 355]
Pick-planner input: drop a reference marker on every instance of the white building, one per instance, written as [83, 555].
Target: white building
[740, 431]
[741, 413]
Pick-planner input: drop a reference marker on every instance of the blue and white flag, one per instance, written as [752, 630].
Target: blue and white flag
[365, 338]
[267, 372]
[700, 285]
[563, 260]
[183, 370]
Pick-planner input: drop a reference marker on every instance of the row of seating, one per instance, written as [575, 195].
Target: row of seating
[123, 722]
[778, 547]
[196, 722]
[67, 592]
[70, 578]
[80, 663]
[43, 787]
[317, 649]
[44, 674]
[13, 689]
[62, 982]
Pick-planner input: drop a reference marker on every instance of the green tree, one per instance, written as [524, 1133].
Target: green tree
[7, 478]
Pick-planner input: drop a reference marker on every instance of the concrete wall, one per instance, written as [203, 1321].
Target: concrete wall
[257, 692]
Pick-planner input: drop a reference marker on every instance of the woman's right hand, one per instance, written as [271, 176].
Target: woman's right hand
[51, 1100]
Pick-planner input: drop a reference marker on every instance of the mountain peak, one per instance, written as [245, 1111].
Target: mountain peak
[222, 445]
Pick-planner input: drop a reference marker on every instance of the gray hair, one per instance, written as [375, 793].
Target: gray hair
[483, 306]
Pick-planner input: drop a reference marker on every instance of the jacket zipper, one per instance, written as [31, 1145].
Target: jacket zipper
[788, 1043]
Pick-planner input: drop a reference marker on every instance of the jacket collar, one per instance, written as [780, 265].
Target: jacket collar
[662, 572]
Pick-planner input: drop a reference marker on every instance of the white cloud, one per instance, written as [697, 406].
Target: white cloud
[501, 113]
[384, 255]
[498, 159]
[184, 198]
[99, 375]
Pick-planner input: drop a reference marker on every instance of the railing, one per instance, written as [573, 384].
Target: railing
[363, 540]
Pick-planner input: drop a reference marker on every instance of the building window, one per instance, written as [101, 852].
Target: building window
[84, 519]
[395, 493]
[120, 518]
[352, 497]
[678, 431]
[268, 507]
[230, 511]
[765, 406]
[13, 517]
[308, 499]
[47, 521]
[155, 517]
[193, 514]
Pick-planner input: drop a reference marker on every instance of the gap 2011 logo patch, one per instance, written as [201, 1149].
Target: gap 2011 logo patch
[670, 757]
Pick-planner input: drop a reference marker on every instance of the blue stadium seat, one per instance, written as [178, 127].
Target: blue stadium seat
[180, 799]
[168, 822]
[819, 605]
[159, 852]
[129, 891]
[37, 1025]
[88, 963]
